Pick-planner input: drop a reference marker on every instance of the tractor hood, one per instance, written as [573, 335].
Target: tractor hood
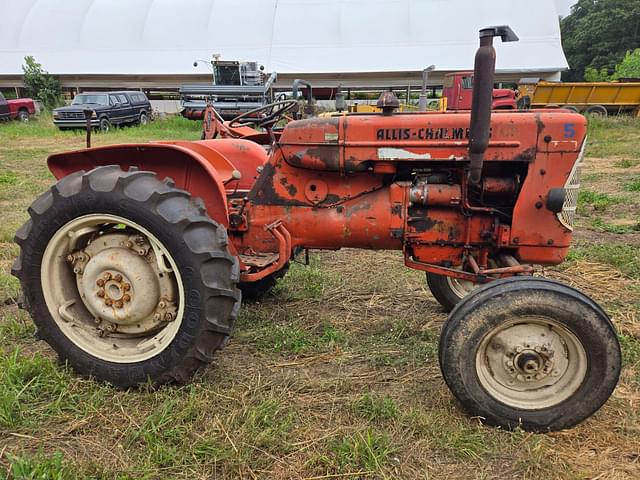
[356, 143]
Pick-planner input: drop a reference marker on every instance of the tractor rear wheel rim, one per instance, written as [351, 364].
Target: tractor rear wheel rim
[531, 363]
[124, 303]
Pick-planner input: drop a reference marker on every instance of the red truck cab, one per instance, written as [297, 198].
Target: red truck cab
[458, 88]
[19, 109]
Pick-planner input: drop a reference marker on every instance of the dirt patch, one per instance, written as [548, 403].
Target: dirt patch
[587, 236]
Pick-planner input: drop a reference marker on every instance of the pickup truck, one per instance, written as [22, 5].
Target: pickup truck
[19, 109]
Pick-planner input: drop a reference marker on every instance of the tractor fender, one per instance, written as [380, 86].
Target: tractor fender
[242, 155]
[195, 168]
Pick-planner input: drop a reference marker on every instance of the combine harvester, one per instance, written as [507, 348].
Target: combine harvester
[237, 87]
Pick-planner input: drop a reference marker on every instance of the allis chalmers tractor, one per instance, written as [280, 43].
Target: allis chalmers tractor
[132, 264]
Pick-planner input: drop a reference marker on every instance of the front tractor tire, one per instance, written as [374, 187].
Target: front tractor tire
[126, 277]
[530, 353]
[448, 291]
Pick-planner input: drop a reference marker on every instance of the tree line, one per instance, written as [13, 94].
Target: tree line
[601, 39]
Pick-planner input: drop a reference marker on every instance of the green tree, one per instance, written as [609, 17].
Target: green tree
[629, 67]
[595, 75]
[40, 85]
[598, 33]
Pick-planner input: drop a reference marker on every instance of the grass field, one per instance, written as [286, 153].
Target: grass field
[332, 376]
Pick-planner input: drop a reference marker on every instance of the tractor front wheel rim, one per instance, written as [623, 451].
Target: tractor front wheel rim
[531, 363]
[460, 287]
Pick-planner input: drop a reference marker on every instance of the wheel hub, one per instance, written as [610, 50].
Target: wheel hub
[114, 289]
[123, 285]
[119, 286]
[530, 363]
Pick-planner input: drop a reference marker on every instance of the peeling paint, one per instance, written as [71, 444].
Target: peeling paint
[390, 153]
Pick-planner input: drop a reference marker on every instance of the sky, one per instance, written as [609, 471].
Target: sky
[564, 6]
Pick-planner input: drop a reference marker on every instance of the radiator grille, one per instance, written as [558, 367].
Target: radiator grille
[71, 115]
[568, 214]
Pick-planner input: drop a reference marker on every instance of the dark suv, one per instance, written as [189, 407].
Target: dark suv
[109, 108]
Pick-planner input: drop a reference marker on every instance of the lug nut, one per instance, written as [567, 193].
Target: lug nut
[100, 293]
[126, 287]
[119, 304]
[126, 297]
[168, 317]
[69, 258]
[162, 304]
[118, 278]
[128, 244]
[108, 302]
[111, 327]
[100, 282]
[106, 276]
[157, 317]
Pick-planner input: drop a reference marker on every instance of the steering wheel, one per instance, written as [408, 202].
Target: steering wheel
[265, 116]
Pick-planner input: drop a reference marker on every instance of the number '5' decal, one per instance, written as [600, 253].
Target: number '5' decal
[569, 130]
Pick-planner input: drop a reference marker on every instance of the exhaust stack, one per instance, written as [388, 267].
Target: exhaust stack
[482, 99]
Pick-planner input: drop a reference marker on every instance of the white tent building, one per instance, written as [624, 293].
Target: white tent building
[152, 44]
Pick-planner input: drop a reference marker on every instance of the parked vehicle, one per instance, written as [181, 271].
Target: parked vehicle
[18, 109]
[459, 86]
[237, 87]
[109, 109]
[4, 108]
[596, 98]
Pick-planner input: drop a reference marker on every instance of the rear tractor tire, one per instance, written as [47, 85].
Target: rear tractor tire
[126, 277]
[530, 353]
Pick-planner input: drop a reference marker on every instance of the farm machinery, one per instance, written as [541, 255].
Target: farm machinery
[132, 265]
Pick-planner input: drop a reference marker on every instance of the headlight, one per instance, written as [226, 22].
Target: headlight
[56, 114]
[94, 115]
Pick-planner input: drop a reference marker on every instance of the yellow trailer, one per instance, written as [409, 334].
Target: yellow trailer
[598, 98]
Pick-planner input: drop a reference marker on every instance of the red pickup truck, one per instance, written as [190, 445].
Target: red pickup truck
[19, 109]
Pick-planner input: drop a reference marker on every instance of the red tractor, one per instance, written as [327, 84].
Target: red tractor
[133, 263]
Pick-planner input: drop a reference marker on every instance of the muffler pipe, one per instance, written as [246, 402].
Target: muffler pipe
[482, 97]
